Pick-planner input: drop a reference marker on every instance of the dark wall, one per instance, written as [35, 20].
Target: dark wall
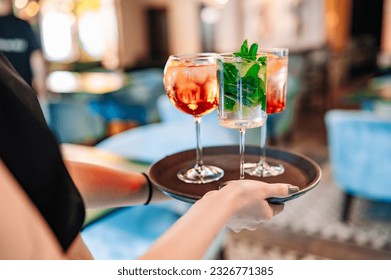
[366, 29]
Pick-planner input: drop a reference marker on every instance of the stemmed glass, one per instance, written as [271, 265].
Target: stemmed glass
[242, 97]
[277, 75]
[191, 85]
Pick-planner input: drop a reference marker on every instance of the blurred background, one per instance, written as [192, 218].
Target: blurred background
[125, 34]
[333, 44]
[103, 64]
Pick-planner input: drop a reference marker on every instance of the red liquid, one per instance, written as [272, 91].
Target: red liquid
[201, 106]
[276, 84]
[275, 106]
[192, 89]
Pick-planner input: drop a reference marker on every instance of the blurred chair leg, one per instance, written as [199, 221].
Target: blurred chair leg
[348, 199]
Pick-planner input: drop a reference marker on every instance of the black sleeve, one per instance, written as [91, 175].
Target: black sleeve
[31, 153]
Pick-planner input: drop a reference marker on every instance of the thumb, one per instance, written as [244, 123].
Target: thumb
[281, 190]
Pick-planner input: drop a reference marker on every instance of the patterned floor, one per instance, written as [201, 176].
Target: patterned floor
[314, 219]
[309, 227]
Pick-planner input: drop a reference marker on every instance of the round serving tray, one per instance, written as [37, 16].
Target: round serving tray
[300, 171]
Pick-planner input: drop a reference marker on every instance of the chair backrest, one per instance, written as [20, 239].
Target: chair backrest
[146, 85]
[360, 152]
[112, 108]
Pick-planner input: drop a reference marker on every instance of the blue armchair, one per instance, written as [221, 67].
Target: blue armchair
[73, 122]
[360, 154]
[135, 102]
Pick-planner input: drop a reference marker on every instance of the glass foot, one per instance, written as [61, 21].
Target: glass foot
[263, 169]
[201, 175]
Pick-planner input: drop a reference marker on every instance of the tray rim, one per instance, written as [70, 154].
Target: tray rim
[193, 198]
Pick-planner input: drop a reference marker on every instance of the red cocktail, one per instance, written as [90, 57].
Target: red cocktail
[191, 84]
[277, 76]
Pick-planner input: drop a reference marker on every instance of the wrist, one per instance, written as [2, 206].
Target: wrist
[222, 203]
[231, 196]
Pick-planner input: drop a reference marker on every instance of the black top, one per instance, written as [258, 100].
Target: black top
[17, 42]
[31, 153]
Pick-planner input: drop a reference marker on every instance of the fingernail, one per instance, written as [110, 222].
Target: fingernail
[223, 185]
[292, 189]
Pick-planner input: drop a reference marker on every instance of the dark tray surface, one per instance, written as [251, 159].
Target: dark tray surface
[300, 171]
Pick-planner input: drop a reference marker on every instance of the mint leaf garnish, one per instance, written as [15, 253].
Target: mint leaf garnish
[262, 59]
[252, 86]
[253, 51]
[245, 52]
[253, 71]
[231, 73]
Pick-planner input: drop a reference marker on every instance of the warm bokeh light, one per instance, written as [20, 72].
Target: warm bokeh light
[57, 35]
[91, 34]
[62, 81]
[210, 15]
[20, 4]
[215, 3]
[338, 16]
[84, 31]
[102, 82]
[386, 33]
[222, 2]
[91, 82]
[32, 9]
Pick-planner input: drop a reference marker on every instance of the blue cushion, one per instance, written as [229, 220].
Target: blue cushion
[360, 152]
[112, 108]
[73, 122]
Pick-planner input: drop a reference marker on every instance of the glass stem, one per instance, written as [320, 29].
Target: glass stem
[199, 161]
[262, 160]
[241, 152]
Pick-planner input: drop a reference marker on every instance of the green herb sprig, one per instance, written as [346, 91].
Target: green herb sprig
[250, 54]
[253, 88]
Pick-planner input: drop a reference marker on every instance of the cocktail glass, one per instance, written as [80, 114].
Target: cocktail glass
[277, 75]
[242, 95]
[191, 85]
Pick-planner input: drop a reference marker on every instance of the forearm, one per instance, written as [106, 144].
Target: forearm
[105, 179]
[193, 233]
[103, 187]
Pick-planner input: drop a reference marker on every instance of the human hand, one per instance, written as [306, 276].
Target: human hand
[239, 205]
[248, 202]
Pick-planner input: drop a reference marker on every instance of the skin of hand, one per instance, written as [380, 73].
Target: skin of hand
[249, 204]
[239, 205]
